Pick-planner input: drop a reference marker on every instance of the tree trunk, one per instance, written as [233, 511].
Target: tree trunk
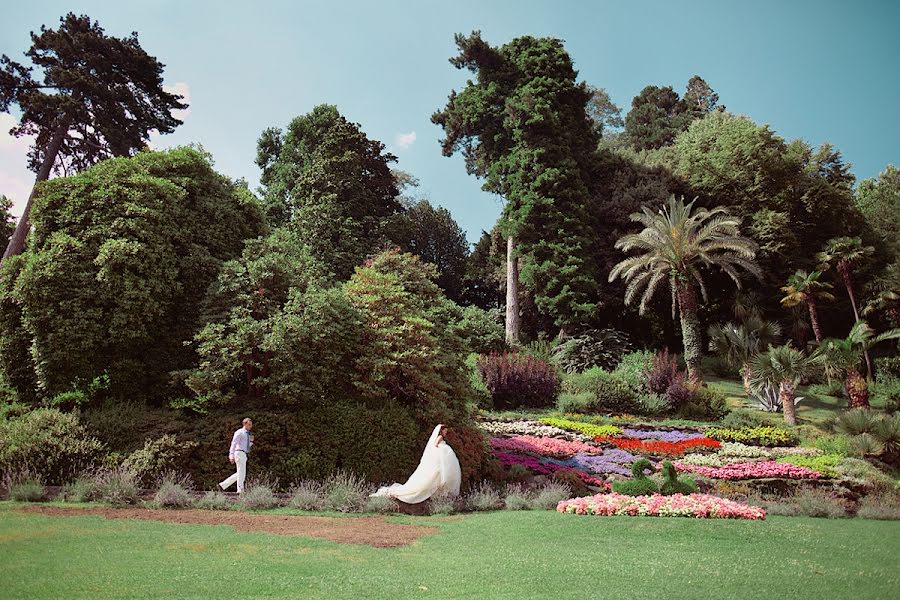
[691, 335]
[814, 319]
[857, 389]
[848, 282]
[17, 241]
[512, 293]
[746, 374]
[786, 395]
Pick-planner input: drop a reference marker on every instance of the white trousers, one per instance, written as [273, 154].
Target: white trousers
[240, 459]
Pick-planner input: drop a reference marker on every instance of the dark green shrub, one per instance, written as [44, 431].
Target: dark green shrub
[673, 485]
[634, 368]
[640, 485]
[157, 457]
[584, 402]
[482, 330]
[885, 394]
[718, 366]
[517, 381]
[742, 417]
[887, 366]
[704, 404]
[592, 348]
[48, 442]
[615, 395]
[125, 426]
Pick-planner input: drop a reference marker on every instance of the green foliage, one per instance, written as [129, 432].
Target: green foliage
[79, 490]
[517, 498]
[258, 496]
[157, 458]
[588, 429]
[117, 486]
[119, 256]
[344, 492]
[331, 184]
[640, 485]
[888, 366]
[673, 485]
[28, 489]
[482, 330]
[634, 367]
[16, 361]
[615, 395]
[592, 348]
[756, 436]
[658, 115]
[742, 418]
[380, 504]
[442, 504]
[174, 491]
[837, 445]
[214, 501]
[879, 200]
[824, 464]
[704, 404]
[856, 421]
[52, 444]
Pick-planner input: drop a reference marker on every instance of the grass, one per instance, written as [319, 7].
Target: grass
[512, 554]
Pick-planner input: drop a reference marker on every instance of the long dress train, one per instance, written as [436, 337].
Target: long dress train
[438, 472]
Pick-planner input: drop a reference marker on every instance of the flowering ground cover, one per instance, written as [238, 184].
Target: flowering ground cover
[588, 429]
[544, 446]
[645, 446]
[751, 470]
[661, 435]
[699, 506]
[613, 460]
[534, 428]
[546, 468]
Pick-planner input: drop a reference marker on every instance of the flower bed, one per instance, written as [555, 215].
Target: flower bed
[823, 464]
[711, 460]
[655, 447]
[661, 435]
[759, 436]
[700, 506]
[532, 428]
[613, 460]
[751, 470]
[740, 450]
[588, 429]
[540, 468]
[798, 451]
[543, 446]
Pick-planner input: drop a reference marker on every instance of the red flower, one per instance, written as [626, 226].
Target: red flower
[657, 447]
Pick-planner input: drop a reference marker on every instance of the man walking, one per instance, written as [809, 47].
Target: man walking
[241, 442]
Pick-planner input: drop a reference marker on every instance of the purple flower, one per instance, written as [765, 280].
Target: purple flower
[663, 436]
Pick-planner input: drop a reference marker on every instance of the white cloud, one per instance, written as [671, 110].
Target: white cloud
[15, 178]
[405, 140]
[184, 90]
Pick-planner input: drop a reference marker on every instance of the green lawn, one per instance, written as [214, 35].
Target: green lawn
[499, 555]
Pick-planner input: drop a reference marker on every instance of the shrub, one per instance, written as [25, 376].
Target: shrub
[840, 445]
[819, 503]
[887, 433]
[214, 501]
[615, 395]
[823, 464]
[663, 373]
[517, 473]
[549, 495]
[307, 495]
[885, 393]
[49, 443]
[380, 504]
[482, 330]
[759, 436]
[516, 380]
[80, 490]
[592, 348]
[174, 491]
[718, 366]
[882, 506]
[672, 484]
[344, 492]
[835, 388]
[570, 479]
[742, 418]
[118, 486]
[258, 496]
[483, 496]
[584, 381]
[856, 421]
[156, 458]
[888, 366]
[480, 394]
[703, 404]
[641, 485]
[652, 404]
[26, 488]
[441, 504]
[581, 403]
[517, 498]
[634, 368]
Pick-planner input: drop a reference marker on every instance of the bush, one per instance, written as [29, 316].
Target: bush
[49, 443]
[819, 503]
[344, 492]
[592, 348]
[481, 395]
[885, 393]
[882, 506]
[887, 366]
[583, 382]
[615, 395]
[157, 458]
[856, 421]
[840, 445]
[634, 368]
[823, 464]
[117, 486]
[214, 501]
[864, 472]
[580, 403]
[742, 418]
[380, 504]
[663, 373]
[517, 473]
[640, 485]
[258, 496]
[80, 490]
[517, 498]
[672, 484]
[307, 495]
[718, 366]
[757, 436]
[549, 495]
[484, 497]
[441, 504]
[705, 404]
[124, 426]
[516, 380]
[887, 433]
[835, 389]
[572, 481]
[26, 489]
[679, 394]
[174, 491]
[482, 330]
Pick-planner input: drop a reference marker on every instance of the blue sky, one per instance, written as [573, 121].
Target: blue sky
[821, 71]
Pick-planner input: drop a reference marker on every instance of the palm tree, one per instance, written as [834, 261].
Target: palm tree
[843, 356]
[843, 253]
[739, 343]
[805, 289]
[783, 367]
[886, 299]
[676, 245]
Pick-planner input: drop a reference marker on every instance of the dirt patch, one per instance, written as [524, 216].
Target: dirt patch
[370, 531]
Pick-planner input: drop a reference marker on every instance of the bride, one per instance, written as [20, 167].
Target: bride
[438, 471]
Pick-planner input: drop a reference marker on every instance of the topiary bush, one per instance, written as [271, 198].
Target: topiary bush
[52, 444]
[518, 381]
[673, 485]
[640, 485]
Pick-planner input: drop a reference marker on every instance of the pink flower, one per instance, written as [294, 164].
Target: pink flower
[751, 470]
[700, 506]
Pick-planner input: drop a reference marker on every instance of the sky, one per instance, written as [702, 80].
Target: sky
[823, 71]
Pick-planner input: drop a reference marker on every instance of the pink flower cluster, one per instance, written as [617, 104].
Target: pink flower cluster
[543, 446]
[751, 470]
[698, 506]
[539, 468]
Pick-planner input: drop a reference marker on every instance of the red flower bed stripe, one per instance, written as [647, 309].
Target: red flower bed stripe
[657, 447]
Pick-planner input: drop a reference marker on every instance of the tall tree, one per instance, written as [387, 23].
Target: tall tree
[522, 126]
[657, 115]
[805, 289]
[879, 200]
[676, 245]
[607, 117]
[699, 97]
[332, 184]
[7, 221]
[100, 96]
[784, 367]
[845, 254]
[739, 343]
[844, 355]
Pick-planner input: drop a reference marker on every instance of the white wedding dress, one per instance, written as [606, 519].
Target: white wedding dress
[438, 472]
